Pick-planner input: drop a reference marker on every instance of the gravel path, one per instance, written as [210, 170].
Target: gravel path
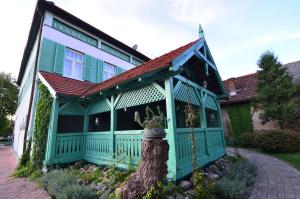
[15, 188]
[276, 179]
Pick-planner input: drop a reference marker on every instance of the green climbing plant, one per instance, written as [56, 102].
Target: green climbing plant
[43, 112]
[240, 119]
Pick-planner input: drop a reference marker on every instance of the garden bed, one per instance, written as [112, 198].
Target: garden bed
[228, 177]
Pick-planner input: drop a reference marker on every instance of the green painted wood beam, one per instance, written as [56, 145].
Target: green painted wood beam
[113, 124]
[51, 141]
[203, 121]
[179, 61]
[171, 118]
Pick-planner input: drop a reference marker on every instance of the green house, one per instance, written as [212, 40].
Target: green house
[92, 116]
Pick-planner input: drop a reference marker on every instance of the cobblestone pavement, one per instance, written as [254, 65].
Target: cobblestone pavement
[15, 188]
[276, 179]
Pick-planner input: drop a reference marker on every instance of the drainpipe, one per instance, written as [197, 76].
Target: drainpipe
[33, 80]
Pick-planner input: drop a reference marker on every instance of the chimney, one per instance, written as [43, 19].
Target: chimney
[231, 85]
[135, 46]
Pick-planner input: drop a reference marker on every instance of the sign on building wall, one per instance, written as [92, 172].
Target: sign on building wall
[64, 28]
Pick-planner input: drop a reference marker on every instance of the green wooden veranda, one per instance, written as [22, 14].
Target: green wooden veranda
[98, 126]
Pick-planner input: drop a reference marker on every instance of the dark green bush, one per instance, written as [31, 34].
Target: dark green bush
[238, 181]
[279, 141]
[247, 140]
[75, 191]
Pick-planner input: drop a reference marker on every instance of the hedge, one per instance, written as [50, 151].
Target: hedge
[240, 118]
[278, 141]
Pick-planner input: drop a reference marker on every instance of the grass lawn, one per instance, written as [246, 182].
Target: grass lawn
[292, 158]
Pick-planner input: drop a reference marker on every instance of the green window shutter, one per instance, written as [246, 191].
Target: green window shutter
[100, 71]
[59, 59]
[47, 55]
[94, 68]
[120, 70]
[87, 67]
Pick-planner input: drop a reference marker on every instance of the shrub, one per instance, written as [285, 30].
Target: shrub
[25, 157]
[279, 142]
[75, 191]
[247, 140]
[90, 177]
[203, 187]
[238, 181]
[55, 181]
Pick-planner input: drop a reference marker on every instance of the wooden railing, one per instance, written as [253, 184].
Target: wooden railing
[97, 146]
[207, 148]
[69, 147]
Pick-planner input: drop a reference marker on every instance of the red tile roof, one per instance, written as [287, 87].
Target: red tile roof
[78, 88]
[66, 86]
[245, 89]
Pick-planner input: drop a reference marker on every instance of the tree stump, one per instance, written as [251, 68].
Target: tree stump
[153, 168]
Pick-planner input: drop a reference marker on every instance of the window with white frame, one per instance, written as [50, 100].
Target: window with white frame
[109, 71]
[73, 64]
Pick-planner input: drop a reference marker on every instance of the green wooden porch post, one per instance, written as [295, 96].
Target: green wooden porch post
[220, 122]
[51, 142]
[171, 118]
[203, 122]
[85, 131]
[112, 126]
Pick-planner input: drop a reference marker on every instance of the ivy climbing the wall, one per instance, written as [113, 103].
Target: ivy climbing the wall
[240, 118]
[42, 118]
[28, 165]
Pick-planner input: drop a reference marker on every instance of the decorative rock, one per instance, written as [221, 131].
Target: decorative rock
[79, 181]
[93, 185]
[78, 164]
[82, 170]
[213, 169]
[118, 192]
[170, 197]
[95, 169]
[180, 196]
[213, 176]
[185, 185]
[99, 186]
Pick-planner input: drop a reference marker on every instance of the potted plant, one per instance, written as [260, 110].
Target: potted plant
[153, 124]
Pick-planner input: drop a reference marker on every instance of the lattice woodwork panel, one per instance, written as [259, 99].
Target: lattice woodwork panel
[99, 107]
[186, 94]
[140, 96]
[210, 103]
[72, 109]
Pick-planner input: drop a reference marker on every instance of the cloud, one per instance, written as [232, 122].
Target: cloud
[193, 12]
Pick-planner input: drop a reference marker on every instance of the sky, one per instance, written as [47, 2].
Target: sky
[237, 32]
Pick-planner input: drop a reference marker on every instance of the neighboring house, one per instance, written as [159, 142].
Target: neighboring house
[240, 91]
[98, 83]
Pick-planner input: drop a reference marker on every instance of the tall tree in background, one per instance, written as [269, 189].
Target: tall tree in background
[8, 101]
[276, 95]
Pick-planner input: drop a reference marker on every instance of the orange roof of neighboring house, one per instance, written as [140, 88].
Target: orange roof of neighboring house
[245, 87]
[67, 86]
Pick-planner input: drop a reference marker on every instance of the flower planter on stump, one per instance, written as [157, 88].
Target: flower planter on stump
[153, 167]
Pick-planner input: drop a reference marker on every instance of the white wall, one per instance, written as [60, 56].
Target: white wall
[23, 106]
[59, 37]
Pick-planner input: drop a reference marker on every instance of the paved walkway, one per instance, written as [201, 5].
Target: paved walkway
[15, 188]
[276, 179]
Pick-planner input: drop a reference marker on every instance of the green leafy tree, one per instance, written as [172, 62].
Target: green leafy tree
[8, 100]
[276, 94]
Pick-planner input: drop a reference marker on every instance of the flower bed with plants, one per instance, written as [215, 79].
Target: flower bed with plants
[228, 177]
